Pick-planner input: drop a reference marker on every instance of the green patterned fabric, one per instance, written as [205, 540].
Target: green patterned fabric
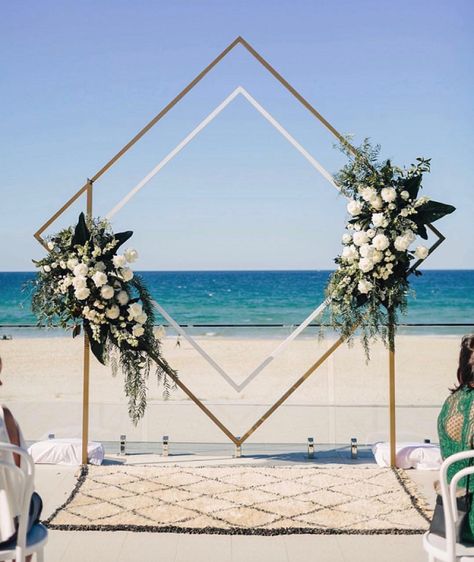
[456, 430]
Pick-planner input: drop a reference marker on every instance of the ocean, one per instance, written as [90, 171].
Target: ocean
[218, 299]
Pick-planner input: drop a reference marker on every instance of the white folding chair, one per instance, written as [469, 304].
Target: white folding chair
[34, 541]
[447, 549]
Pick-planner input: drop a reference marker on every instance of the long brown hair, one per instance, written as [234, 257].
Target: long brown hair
[466, 362]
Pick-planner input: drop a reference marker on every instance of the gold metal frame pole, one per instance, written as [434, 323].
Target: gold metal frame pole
[391, 391]
[86, 361]
[85, 398]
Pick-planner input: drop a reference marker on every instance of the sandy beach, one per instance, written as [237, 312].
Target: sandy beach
[345, 397]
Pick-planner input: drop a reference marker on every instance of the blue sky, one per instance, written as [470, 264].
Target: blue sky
[79, 79]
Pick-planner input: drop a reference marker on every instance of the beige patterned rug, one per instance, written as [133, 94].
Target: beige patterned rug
[334, 499]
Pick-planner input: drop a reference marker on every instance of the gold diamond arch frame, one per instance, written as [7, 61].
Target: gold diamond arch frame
[88, 188]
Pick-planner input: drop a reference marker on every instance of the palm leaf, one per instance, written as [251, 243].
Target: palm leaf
[81, 232]
[432, 211]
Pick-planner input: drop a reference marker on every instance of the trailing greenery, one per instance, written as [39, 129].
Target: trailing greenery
[84, 283]
[387, 214]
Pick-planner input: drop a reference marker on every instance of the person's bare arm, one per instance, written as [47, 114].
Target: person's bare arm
[13, 433]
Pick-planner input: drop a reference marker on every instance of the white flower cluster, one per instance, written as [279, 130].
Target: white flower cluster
[98, 287]
[380, 233]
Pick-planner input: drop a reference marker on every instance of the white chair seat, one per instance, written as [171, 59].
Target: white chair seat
[437, 546]
[36, 538]
[25, 543]
[447, 549]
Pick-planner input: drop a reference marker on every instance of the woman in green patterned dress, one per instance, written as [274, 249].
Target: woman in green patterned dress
[456, 420]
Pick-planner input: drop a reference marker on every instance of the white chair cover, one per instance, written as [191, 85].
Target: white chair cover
[422, 456]
[65, 451]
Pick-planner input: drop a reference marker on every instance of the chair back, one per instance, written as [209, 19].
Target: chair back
[448, 494]
[23, 476]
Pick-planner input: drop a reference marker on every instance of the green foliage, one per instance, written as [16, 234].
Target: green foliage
[84, 282]
[369, 288]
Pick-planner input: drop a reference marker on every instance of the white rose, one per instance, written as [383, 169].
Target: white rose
[113, 312]
[371, 233]
[82, 293]
[131, 255]
[122, 298]
[135, 309]
[381, 242]
[366, 251]
[421, 252]
[126, 274]
[99, 278]
[376, 202]
[364, 286]
[405, 195]
[90, 314]
[107, 292]
[367, 193]
[51, 245]
[71, 263]
[141, 318]
[421, 201]
[404, 212]
[138, 330]
[46, 268]
[377, 256]
[119, 261]
[360, 238]
[388, 194]
[354, 208]
[80, 270]
[410, 235]
[350, 253]
[62, 265]
[378, 219]
[346, 238]
[67, 281]
[100, 266]
[366, 265]
[79, 282]
[402, 243]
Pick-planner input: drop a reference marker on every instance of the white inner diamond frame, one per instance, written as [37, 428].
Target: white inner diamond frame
[143, 182]
[87, 188]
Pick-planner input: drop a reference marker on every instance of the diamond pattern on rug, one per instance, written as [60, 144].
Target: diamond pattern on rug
[245, 500]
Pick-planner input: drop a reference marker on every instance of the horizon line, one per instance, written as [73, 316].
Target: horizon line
[245, 270]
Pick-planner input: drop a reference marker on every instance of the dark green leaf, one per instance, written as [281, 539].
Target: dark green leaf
[122, 237]
[412, 185]
[76, 330]
[387, 171]
[81, 232]
[422, 231]
[433, 211]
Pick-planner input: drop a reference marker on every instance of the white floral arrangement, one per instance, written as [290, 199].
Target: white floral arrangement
[84, 282]
[386, 218]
